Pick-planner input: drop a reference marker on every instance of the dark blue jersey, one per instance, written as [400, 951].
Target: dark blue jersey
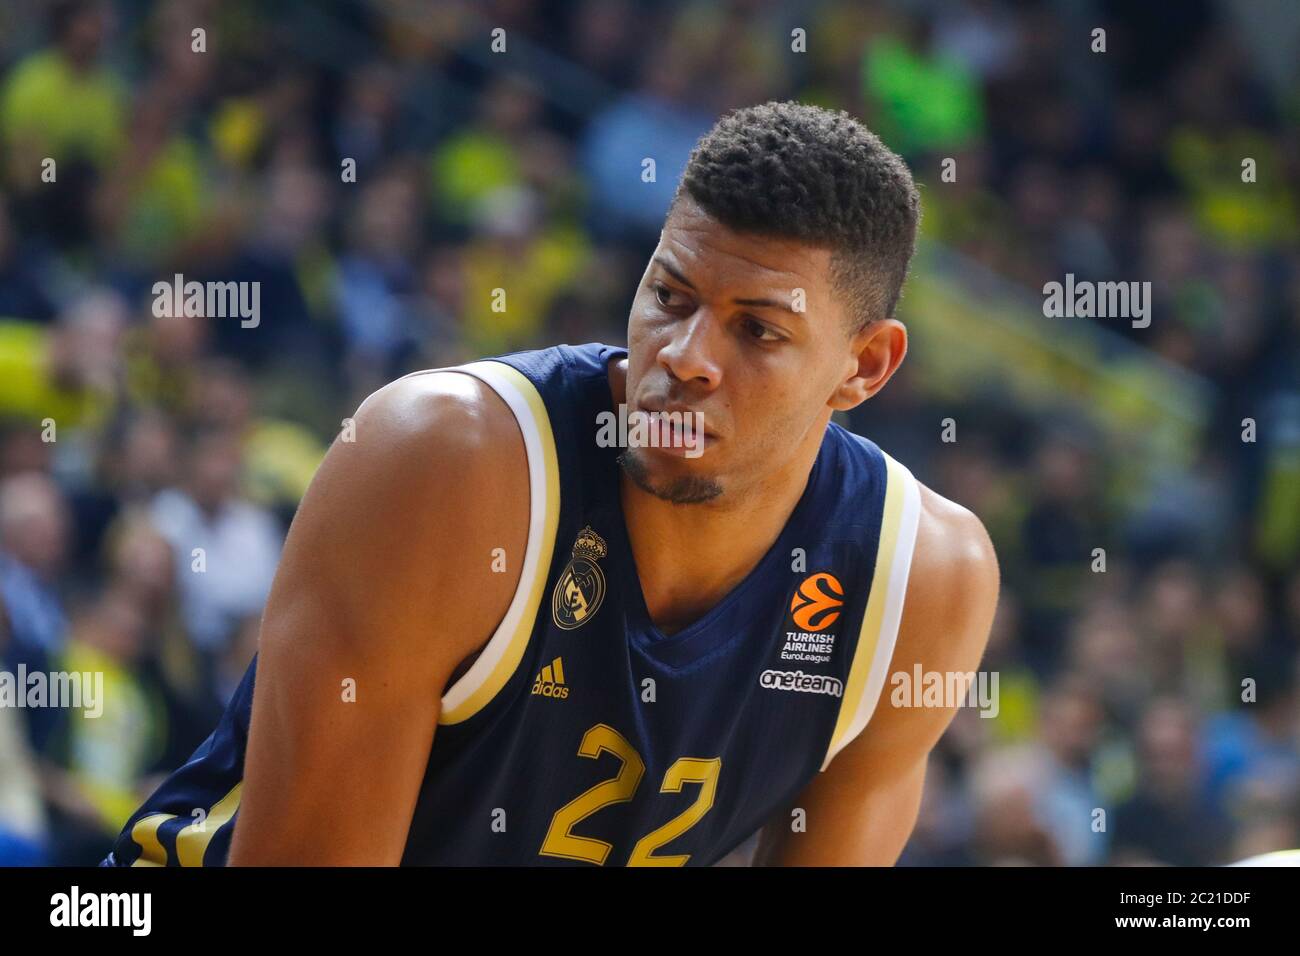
[582, 734]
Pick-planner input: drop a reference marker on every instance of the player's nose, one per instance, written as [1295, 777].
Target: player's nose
[691, 353]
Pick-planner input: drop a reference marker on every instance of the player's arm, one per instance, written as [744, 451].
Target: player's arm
[385, 583]
[860, 811]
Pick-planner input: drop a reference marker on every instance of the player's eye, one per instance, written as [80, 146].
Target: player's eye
[757, 330]
[663, 294]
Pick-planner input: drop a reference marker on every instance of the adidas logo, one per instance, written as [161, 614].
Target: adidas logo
[550, 681]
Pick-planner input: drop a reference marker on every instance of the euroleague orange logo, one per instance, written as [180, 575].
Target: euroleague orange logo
[817, 601]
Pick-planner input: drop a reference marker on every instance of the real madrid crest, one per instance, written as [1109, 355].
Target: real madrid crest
[581, 588]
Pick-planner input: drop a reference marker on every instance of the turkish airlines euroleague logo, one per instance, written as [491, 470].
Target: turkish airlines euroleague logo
[817, 602]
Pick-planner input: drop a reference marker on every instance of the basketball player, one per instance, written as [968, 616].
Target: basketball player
[493, 639]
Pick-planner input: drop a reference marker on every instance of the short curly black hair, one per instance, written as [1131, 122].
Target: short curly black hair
[796, 171]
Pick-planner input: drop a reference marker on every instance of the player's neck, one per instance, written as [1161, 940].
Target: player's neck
[689, 557]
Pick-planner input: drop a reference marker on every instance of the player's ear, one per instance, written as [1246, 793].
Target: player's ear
[876, 351]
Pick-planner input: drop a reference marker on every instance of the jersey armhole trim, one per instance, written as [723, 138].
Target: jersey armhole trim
[875, 648]
[191, 840]
[501, 655]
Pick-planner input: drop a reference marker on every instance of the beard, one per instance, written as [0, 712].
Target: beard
[683, 490]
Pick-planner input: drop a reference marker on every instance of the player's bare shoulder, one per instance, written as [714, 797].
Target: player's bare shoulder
[462, 453]
[404, 518]
[454, 415]
[952, 590]
[447, 447]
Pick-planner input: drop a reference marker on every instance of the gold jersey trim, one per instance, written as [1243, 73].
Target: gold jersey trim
[193, 839]
[875, 648]
[503, 652]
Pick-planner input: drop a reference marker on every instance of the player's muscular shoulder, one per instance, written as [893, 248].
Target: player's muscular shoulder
[952, 593]
[952, 588]
[409, 508]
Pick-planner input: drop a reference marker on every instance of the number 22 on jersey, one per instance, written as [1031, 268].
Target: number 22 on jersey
[560, 839]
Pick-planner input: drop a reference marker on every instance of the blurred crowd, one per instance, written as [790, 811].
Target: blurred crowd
[149, 465]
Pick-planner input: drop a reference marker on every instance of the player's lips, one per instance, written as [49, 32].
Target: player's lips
[672, 439]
